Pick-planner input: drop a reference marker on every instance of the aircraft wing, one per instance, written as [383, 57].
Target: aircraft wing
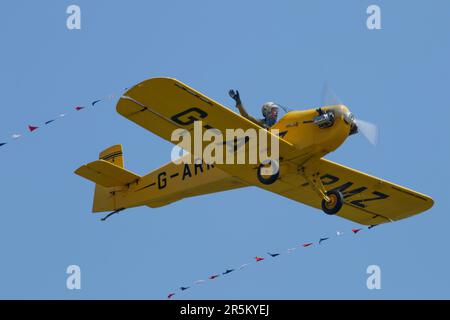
[368, 200]
[162, 105]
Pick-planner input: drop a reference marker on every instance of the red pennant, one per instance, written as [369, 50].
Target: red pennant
[356, 230]
[79, 108]
[32, 128]
[170, 295]
[259, 259]
[308, 244]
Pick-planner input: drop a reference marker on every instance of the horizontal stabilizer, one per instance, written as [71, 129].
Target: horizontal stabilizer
[106, 174]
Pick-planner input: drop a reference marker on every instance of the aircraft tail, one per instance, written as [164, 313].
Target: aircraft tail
[113, 154]
[109, 176]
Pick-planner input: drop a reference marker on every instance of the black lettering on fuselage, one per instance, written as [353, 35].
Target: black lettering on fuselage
[198, 166]
[162, 181]
[186, 171]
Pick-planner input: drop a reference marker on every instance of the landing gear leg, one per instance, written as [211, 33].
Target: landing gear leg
[332, 200]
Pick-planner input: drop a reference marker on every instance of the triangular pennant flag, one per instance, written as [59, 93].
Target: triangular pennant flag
[62, 115]
[228, 271]
[259, 259]
[372, 226]
[170, 295]
[307, 244]
[184, 288]
[16, 136]
[78, 108]
[32, 128]
[322, 240]
[356, 230]
[339, 233]
[199, 281]
[49, 121]
[96, 101]
[2, 144]
[273, 255]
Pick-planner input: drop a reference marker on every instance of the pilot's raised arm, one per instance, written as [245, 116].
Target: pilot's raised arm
[235, 95]
[269, 111]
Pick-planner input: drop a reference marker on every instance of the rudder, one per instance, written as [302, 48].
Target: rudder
[113, 154]
[104, 198]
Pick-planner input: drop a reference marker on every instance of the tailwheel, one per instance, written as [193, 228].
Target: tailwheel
[336, 200]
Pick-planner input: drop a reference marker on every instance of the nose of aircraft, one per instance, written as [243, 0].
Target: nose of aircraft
[349, 118]
[369, 130]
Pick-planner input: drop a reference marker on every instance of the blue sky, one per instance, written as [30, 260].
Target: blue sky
[284, 51]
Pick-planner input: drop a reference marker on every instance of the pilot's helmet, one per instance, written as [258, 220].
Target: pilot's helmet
[270, 110]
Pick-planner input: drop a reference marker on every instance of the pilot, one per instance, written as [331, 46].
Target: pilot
[269, 111]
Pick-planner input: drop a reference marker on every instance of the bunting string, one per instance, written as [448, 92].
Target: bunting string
[260, 259]
[32, 127]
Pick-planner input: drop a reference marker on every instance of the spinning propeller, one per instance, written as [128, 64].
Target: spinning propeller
[369, 130]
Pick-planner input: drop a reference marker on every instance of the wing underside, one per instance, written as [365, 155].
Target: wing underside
[368, 200]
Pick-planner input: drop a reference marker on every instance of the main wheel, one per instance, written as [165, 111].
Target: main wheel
[335, 204]
[271, 177]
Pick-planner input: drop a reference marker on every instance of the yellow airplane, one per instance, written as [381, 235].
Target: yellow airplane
[162, 105]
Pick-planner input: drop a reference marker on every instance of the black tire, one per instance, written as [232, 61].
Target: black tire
[337, 200]
[272, 178]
